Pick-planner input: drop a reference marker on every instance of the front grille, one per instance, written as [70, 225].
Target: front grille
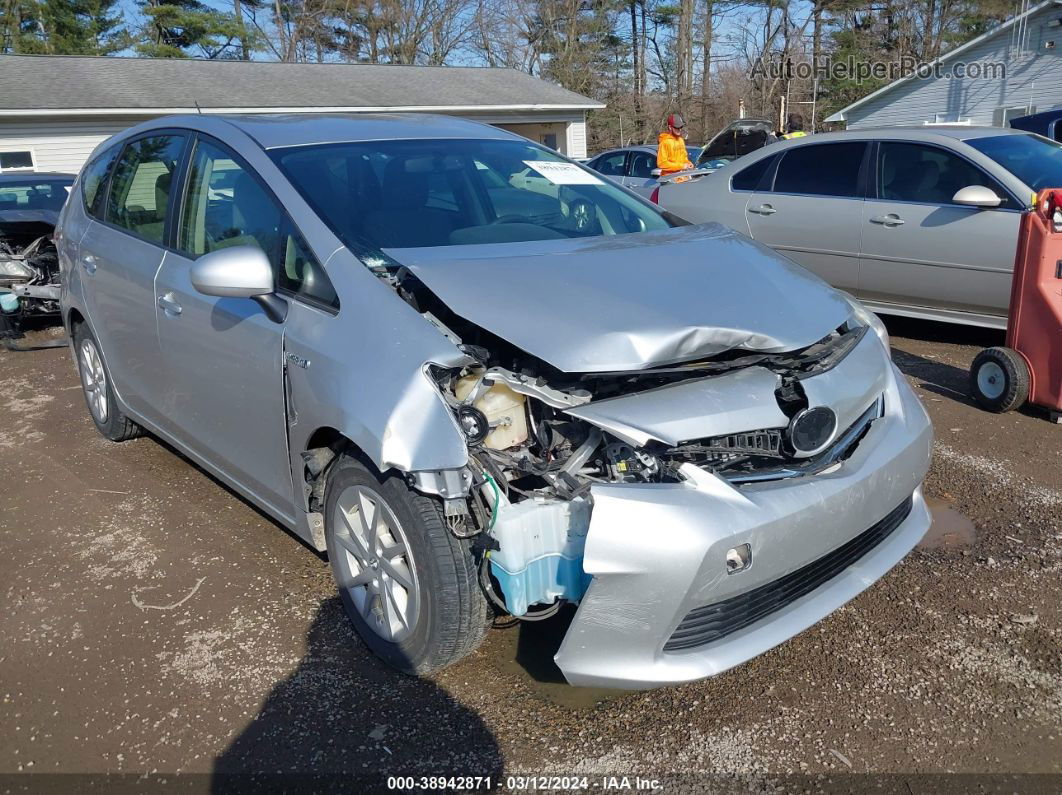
[703, 625]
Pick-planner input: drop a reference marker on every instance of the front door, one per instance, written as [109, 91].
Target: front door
[119, 258]
[920, 248]
[223, 357]
[813, 210]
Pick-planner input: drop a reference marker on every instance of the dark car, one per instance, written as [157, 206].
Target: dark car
[29, 270]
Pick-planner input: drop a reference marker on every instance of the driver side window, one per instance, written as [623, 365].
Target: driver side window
[913, 172]
[225, 206]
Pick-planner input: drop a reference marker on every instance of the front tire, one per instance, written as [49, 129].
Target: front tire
[408, 585]
[99, 393]
[999, 379]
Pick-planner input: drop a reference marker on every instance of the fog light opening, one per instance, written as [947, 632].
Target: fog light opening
[738, 559]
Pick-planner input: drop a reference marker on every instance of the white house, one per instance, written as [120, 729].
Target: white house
[55, 109]
[1013, 70]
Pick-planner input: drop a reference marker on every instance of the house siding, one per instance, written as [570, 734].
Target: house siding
[1033, 78]
[59, 145]
[65, 144]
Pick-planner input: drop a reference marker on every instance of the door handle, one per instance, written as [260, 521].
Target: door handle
[169, 305]
[763, 209]
[892, 219]
[88, 262]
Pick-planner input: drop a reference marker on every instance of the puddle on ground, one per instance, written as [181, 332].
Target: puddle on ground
[527, 650]
[949, 530]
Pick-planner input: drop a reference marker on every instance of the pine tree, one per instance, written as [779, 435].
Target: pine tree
[62, 27]
[183, 28]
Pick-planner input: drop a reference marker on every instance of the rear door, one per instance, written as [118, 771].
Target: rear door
[920, 248]
[119, 257]
[813, 209]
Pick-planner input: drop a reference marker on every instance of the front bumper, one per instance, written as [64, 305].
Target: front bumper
[658, 551]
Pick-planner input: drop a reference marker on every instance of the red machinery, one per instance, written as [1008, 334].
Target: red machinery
[1030, 366]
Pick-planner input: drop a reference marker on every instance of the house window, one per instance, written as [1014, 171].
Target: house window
[21, 160]
[949, 118]
[1002, 116]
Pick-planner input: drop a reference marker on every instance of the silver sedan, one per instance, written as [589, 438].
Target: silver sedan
[485, 392]
[913, 221]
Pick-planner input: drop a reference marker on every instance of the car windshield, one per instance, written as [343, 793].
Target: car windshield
[1034, 160]
[378, 195]
[34, 194]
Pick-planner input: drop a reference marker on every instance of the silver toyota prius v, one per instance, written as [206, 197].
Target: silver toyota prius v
[481, 392]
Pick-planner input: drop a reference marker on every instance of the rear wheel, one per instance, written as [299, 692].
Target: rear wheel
[999, 379]
[407, 584]
[99, 394]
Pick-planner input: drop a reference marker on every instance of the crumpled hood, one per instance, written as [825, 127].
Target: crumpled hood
[628, 302]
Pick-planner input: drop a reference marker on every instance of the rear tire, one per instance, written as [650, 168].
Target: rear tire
[99, 394]
[407, 584]
[999, 379]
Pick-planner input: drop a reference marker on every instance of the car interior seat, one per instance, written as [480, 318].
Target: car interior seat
[404, 219]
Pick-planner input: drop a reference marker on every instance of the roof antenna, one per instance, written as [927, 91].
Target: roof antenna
[198, 109]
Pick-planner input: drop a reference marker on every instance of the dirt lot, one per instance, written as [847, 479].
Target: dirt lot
[154, 622]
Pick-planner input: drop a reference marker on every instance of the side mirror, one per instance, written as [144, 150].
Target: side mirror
[976, 196]
[656, 172]
[239, 272]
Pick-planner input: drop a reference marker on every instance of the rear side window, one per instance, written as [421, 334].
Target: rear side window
[94, 181]
[749, 177]
[821, 169]
[143, 180]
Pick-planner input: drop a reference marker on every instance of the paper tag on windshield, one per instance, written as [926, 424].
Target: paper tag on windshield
[563, 173]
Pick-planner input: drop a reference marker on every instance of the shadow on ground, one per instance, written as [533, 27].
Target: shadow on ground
[937, 376]
[343, 722]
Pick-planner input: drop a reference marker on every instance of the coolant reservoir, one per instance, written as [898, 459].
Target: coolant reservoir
[502, 407]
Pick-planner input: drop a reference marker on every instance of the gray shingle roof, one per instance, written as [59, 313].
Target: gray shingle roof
[32, 82]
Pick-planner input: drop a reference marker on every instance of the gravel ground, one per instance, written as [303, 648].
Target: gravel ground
[156, 623]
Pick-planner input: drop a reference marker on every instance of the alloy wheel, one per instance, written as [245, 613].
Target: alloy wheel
[375, 565]
[94, 380]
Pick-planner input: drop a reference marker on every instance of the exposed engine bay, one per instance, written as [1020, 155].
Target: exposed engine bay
[538, 440]
[29, 273]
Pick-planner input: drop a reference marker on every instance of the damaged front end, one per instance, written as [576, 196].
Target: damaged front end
[29, 280]
[648, 494]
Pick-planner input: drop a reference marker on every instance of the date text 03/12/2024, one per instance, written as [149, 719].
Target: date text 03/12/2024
[522, 783]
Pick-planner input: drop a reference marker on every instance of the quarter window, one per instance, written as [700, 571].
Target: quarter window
[226, 206]
[94, 182]
[749, 178]
[821, 169]
[141, 186]
[925, 174]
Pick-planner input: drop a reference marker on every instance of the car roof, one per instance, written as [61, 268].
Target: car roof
[281, 130]
[22, 176]
[277, 130]
[922, 133]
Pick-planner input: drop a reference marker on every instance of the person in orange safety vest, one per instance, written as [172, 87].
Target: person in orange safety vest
[671, 154]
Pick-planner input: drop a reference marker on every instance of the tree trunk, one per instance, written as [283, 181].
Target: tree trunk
[281, 31]
[706, 65]
[237, 10]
